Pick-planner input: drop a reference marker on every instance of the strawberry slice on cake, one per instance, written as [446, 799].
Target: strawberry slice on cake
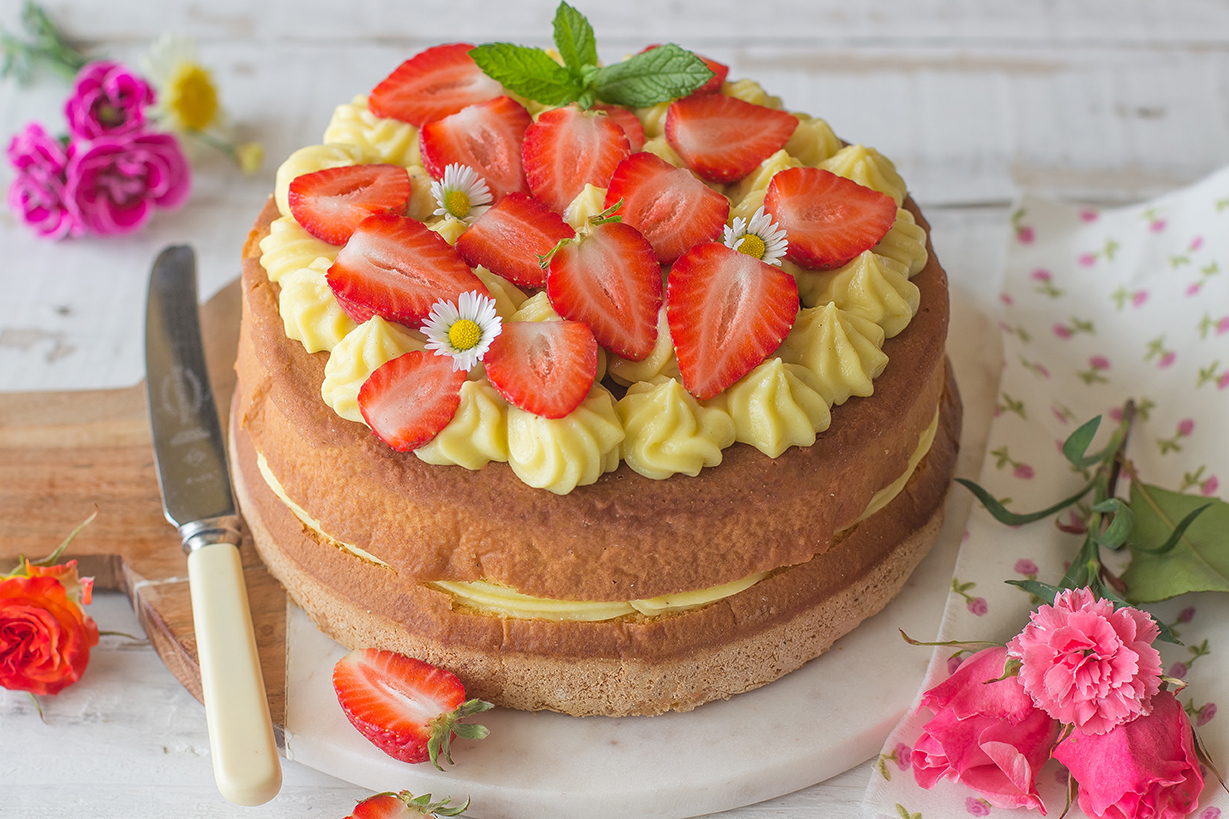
[510, 238]
[330, 203]
[437, 82]
[486, 137]
[543, 367]
[408, 400]
[723, 138]
[568, 148]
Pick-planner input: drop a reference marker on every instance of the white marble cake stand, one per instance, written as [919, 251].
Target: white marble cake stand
[819, 721]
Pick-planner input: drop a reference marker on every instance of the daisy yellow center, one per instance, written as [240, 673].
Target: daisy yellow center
[752, 245]
[457, 203]
[464, 334]
[191, 96]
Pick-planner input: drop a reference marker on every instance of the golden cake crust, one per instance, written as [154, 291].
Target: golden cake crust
[623, 537]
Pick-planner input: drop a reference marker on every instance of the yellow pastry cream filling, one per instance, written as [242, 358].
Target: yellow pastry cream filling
[833, 351]
[500, 600]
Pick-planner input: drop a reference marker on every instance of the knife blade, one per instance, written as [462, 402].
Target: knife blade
[192, 473]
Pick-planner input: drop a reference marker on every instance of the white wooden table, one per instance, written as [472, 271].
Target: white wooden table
[1104, 100]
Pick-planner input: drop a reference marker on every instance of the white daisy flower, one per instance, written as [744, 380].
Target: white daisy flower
[461, 194]
[464, 330]
[759, 237]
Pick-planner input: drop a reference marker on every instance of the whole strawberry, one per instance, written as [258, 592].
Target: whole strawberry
[404, 805]
[408, 709]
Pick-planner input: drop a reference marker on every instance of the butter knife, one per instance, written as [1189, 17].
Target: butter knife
[196, 495]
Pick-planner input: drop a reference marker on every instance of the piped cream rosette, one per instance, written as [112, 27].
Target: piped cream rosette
[832, 353]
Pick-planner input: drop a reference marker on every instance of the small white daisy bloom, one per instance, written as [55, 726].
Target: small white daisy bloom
[759, 237]
[461, 194]
[464, 330]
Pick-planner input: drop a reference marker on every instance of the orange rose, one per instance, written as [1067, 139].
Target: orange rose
[45, 634]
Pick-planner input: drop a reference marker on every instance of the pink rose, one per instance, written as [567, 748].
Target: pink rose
[985, 735]
[116, 182]
[1087, 664]
[45, 634]
[107, 100]
[1143, 769]
[37, 192]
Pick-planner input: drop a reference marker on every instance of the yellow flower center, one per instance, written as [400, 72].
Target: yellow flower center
[191, 97]
[751, 245]
[464, 334]
[457, 203]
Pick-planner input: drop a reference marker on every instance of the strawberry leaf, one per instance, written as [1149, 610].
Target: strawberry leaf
[653, 76]
[529, 72]
[1198, 561]
[574, 38]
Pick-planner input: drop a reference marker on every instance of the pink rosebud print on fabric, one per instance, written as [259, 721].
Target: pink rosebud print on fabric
[1178, 670]
[1209, 486]
[903, 752]
[1167, 360]
[1087, 259]
[977, 807]
[107, 100]
[36, 195]
[1023, 471]
[978, 606]
[1157, 225]
[1026, 567]
[1025, 235]
[1088, 215]
[1041, 276]
[1186, 426]
[1099, 362]
[1222, 326]
[1088, 664]
[1139, 297]
[1205, 714]
[116, 182]
[1062, 331]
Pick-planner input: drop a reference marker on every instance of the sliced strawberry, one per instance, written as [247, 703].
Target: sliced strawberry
[674, 210]
[408, 400]
[404, 805]
[568, 148]
[727, 313]
[611, 281]
[395, 268]
[437, 82]
[632, 127]
[407, 708]
[723, 138]
[544, 367]
[509, 238]
[486, 137]
[720, 72]
[330, 203]
[827, 219]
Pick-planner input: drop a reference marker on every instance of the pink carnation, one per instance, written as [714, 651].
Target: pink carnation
[107, 100]
[116, 182]
[37, 193]
[1086, 664]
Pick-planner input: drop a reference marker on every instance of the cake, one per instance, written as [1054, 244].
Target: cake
[692, 528]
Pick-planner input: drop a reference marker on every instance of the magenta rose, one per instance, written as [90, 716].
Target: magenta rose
[116, 182]
[37, 193]
[986, 735]
[107, 100]
[1143, 769]
[1088, 664]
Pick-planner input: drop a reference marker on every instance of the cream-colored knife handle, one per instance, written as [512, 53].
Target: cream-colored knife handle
[245, 763]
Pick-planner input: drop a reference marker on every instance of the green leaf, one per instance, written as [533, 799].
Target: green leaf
[1002, 515]
[664, 73]
[529, 72]
[1178, 531]
[1198, 561]
[1043, 590]
[1120, 527]
[1077, 444]
[574, 38]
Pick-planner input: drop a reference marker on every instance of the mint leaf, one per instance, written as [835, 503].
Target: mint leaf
[574, 38]
[664, 73]
[529, 72]
[1199, 561]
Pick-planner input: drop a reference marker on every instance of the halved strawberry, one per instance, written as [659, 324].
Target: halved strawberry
[611, 281]
[723, 138]
[395, 268]
[433, 84]
[405, 805]
[674, 210]
[828, 219]
[486, 137]
[720, 72]
[509, 238]
[407, 708]
[568, 148]
[408, 400]
[632, 127]
[330, 203]
[727, 313]
[544, 367]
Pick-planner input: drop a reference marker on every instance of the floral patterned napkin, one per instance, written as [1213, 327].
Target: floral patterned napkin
[1098, 306]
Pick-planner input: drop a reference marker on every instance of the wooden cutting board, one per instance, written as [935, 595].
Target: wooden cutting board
[64, 453]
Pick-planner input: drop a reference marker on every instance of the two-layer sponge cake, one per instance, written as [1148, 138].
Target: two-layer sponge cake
[614, 405]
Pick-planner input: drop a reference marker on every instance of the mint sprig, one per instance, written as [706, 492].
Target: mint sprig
[662, 74]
